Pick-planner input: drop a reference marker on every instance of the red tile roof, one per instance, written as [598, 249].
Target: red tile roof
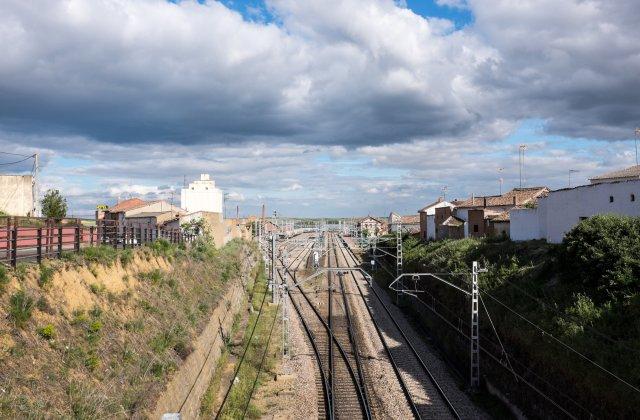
[127, 205]
[521, 195]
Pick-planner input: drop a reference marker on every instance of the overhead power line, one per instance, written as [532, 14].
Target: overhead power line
[17, 161]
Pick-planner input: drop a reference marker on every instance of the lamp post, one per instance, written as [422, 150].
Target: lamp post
[521, 150]
[500, 180]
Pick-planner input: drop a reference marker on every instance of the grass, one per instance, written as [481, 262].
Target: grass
[240, 395]
[114, 356]
[4, 279]
[46, 275]
[20, 309]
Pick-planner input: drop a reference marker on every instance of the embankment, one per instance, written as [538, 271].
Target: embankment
[117, 334]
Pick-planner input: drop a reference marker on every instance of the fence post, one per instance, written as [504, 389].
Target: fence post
[8, 238]
[59, 241]
[77, 239]
[90, 235]
[14, 245]
[475, 328]
[146, 238]
[39, 243]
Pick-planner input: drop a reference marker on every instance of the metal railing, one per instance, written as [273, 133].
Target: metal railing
[29, 238]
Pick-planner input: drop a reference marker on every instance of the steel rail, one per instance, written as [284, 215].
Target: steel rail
[413, 350]
[352, 337]
[333, 339]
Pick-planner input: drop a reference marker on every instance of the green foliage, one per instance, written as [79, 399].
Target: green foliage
[4, 279]
[46, 275]
[103, 254]
[97, 288]
[54, 205]
[22, 268]
[126, 257]
[162, 247]
[602, 254]
[21, 307]
[48, 332]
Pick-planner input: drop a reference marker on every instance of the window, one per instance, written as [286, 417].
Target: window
[475, 228]
[611, 199]
[633, 197]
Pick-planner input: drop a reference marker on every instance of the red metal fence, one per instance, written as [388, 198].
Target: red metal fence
[28, 238]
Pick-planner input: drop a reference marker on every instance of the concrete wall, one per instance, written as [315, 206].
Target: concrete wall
[431, 226]
[561, 210]
[16, 196]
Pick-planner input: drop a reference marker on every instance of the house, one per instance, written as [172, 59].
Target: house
[409, 223]
[117, 212]
[202, 195]
[627, 174]
[153, 220]
[372, 226]
[17, 195]
[483, 216]
[426, 219]
[560, 210]
[221, 230]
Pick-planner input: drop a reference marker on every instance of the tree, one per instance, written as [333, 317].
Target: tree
[54, 205]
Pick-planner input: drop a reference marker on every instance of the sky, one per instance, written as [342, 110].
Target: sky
[317, 107]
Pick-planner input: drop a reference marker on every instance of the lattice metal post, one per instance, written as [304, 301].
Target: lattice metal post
[274, 282]
[475, 332]
[399, 262]
[285, 319]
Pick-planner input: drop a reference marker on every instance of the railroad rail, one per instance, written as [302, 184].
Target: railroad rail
[411, 371]
[336, 353]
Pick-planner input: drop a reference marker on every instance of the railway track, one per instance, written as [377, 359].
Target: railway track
[327, 323]
[423, 392]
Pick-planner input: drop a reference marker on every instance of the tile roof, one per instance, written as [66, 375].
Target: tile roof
[126, 205]
[500, 217]
[453, 221]
[410, 219]
[521, 195]
[630, 172]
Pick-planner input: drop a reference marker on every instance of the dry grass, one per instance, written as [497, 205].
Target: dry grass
[103, 346]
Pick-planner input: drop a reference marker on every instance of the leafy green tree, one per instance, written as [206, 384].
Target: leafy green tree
[54, 205]
[602, 254]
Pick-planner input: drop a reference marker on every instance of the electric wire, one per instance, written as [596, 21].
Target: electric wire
[16, 162]
[562, 343]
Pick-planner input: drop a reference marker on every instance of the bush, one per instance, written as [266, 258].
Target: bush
[46, 275]
[48, 332]
[602, 253]
[102, 254]
[126, 257]
[21, 307]
[4, 279]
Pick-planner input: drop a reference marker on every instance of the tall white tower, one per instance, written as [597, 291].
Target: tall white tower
[202, 195]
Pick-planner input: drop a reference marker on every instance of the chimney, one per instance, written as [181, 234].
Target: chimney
[515, 203]
[484, 201]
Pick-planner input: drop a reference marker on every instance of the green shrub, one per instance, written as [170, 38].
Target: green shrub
[21, 307]
[602, 254]
[126, 257]
[4, 279]
[21, 270]
[102, 254]
[46, 275]
[97, 288]
[48, 332]
[162, 247]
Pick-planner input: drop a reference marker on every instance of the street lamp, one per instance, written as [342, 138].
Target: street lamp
[521, 150]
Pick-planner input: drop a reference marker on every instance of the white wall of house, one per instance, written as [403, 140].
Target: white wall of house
[464, 215]
[561, 210]
[202, 195]
[16, 194]
[431, 226]
[525, 224]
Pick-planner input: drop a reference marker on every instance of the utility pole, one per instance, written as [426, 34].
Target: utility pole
[399, 259]
[521, 150]
[35, 190]
[500, 180]
[475, 331]
[444, 193]
[274, 282]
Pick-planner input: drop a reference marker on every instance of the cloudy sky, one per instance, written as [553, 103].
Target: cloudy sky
[317, 107]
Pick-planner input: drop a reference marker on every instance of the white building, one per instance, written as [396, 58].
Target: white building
[558, 212]
[202, 195]
[427, 218]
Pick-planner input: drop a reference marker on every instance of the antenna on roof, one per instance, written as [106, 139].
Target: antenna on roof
[637, 131]
[521, 150]
[444, 193]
